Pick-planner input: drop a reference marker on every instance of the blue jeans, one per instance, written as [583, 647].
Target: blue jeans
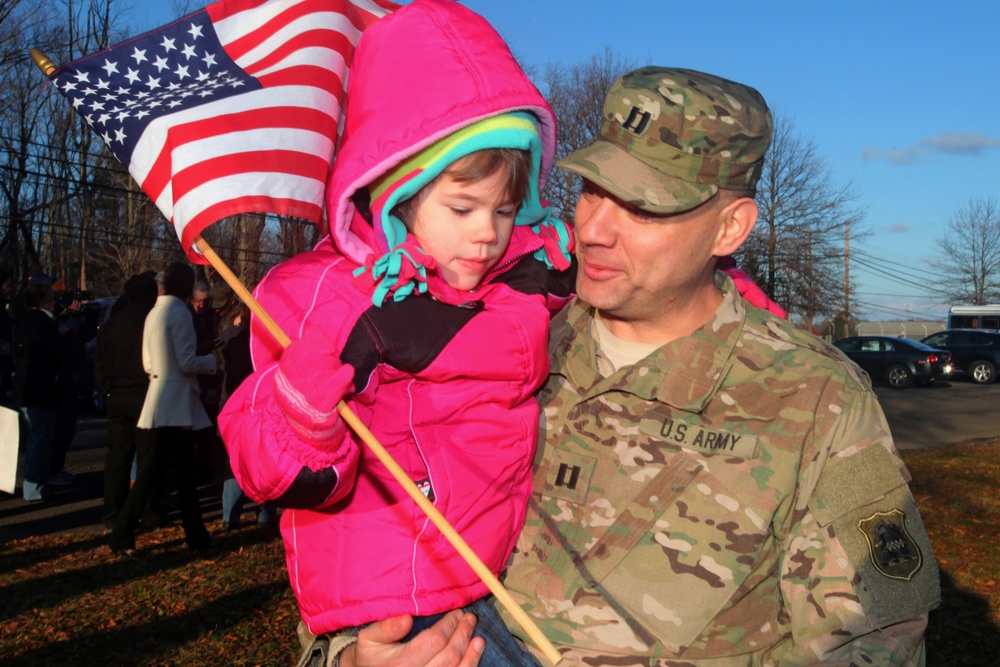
[41, 424]
[232, 502]
[502, 650]
[232, 505]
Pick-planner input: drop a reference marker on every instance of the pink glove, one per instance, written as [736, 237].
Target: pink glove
[748, 288]
[309, 383]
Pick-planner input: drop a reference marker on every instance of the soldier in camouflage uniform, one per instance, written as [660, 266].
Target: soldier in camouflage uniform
[731, 496]
[714, 487]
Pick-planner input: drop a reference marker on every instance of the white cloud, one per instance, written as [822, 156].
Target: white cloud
[961, 143]
[952, 143]
[893, 155]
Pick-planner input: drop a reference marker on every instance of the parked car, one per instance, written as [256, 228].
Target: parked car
[974, 352]
[901, 362]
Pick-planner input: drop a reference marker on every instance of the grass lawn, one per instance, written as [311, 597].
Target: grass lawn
[65, 601]
[958, 493]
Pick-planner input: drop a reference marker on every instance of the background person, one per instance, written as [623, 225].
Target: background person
[206, 327]
[6, 339]
[73, 379]
[123, 381]
[39, 356]
[233, 340]
[171, 413]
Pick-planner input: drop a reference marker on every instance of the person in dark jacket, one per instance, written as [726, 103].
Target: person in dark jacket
[6, 336]
[121, 378]
[234, 335]
[38, 357]
[72, 324]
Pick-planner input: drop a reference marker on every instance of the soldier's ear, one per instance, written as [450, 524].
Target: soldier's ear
[738, 218]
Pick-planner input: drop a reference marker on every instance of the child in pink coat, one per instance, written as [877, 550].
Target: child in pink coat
[427, 309]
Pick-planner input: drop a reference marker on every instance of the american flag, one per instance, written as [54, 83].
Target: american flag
[232, 109]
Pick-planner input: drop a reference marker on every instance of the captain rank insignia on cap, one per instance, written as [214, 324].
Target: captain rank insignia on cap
[637, 121]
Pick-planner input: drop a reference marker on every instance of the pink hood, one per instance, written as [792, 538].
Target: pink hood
[406, 99]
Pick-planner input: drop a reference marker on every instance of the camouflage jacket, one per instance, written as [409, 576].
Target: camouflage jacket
[733, 499]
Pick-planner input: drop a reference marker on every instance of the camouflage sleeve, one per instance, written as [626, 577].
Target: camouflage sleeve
[858, 575]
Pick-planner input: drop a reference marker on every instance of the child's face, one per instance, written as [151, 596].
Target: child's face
[465, 227]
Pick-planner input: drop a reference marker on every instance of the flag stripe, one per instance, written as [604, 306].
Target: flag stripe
[251, 184]
[298, 54]
[308, 147]
[302, 76]
[278, 161]
[279, 30]
[307, 114]
[206, 210]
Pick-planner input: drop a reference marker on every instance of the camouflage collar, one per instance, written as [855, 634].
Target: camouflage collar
[683, 374]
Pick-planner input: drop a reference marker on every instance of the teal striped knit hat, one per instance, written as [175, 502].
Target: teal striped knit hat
[403, 269]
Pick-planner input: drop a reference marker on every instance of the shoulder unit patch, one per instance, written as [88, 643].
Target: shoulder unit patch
[893, 551]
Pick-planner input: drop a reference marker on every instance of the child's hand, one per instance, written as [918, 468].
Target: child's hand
[309, 383]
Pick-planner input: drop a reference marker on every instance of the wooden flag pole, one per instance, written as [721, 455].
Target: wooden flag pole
[352, 420]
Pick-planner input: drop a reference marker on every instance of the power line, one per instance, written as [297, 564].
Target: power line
[898, 311]
[871, 266]
[904, 267]
[896, 296]
[45, 178]
[144, 241]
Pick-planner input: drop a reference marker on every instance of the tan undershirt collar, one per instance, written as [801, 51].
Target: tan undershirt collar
[614, 352]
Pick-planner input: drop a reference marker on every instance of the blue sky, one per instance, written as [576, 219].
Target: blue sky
[902, 99]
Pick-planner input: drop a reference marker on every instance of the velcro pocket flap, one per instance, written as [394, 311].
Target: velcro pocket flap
[853, 482]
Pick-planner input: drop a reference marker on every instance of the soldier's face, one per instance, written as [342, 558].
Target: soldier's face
[644, 271]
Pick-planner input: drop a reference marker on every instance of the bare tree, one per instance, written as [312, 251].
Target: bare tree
[24, 113]
[239, 239]
[18, 19]
[293, 236]
[971, 253]
[796, 251]
[92, 25]
[67, 207]
[576, 93]
[123, 241]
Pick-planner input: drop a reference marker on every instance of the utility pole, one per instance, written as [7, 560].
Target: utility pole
[847, 277]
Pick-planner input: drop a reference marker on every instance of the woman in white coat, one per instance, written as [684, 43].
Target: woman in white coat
[171, 413]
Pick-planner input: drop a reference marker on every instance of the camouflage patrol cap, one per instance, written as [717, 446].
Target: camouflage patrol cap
[221, 293]
[671, 138]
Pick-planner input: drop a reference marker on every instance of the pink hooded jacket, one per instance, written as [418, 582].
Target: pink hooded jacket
[466, 423]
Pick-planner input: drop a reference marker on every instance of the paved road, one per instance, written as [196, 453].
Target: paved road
[942, 414]
[77, 507]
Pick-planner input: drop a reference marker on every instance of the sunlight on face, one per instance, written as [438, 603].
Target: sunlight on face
[465, 227]
[641, 267]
